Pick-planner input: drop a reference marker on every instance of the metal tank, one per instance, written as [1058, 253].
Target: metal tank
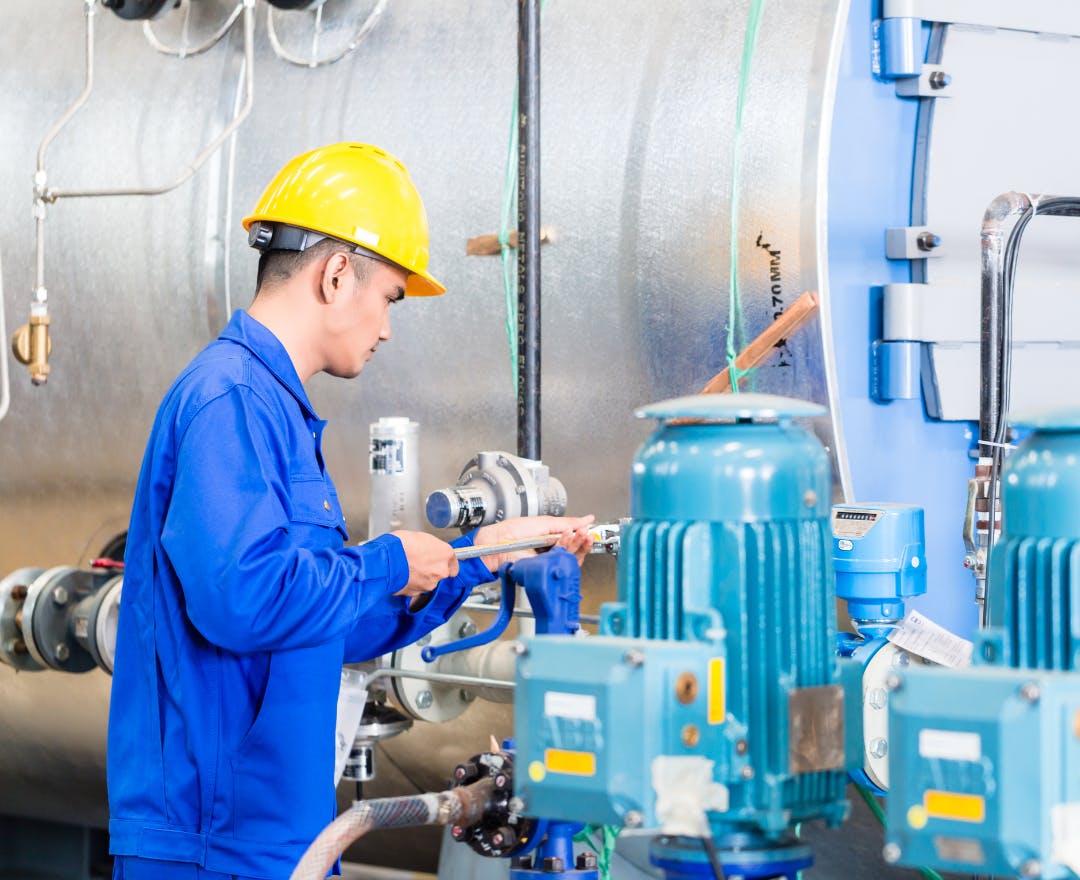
[638, 142]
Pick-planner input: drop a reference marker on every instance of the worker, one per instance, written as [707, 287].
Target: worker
[241, 599]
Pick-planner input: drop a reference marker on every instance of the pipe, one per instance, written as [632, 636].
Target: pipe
[529, 229]
[441, 678]
[458, 806]
[1003, 226]
[53, 195]
[40, 177]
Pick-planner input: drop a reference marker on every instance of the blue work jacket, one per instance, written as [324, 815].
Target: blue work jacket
[241, 603]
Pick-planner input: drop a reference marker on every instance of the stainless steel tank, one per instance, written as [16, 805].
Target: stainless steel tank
[638, 139]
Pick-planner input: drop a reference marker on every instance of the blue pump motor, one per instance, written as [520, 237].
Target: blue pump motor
[730, 536]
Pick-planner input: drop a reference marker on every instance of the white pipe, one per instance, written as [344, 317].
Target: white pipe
[249, 87]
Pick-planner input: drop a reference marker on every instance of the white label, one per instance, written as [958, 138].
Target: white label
[1065, 834]
[844, 544]
[922, 636]
[950, 745]
[581, 707]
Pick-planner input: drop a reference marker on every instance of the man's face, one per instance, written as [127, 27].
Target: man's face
[360, 317]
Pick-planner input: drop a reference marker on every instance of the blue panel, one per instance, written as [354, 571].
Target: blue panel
[896, 453]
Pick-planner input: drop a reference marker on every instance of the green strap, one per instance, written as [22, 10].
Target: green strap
[736, 334]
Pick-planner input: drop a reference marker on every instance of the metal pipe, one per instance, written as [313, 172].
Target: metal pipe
[40, 177]
[521, 612]
[5, 375]
[440, 678]
[528, 252]
[53, 195]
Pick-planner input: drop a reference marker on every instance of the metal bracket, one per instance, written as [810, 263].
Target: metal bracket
[932, 82]
[911, 243]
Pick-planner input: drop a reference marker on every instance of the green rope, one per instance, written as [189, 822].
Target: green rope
[875, 807]
[509, 214]
[604, 850]
[736, 333]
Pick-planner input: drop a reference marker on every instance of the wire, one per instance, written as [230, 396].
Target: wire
[184, 51]
[875, 807]
[357, 38]
[714, 860]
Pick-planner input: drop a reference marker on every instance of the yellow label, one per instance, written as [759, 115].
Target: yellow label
[717, 709]
[571, 763]
[958, 807]
[537, 771]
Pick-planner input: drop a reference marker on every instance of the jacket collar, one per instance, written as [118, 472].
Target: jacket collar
[260, 341]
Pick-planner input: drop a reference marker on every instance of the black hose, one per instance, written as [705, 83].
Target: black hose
[528, 250]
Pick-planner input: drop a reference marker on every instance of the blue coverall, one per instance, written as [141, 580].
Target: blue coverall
[241, 603]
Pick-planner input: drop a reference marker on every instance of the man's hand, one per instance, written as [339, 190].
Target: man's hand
[430, 560]
[574, 532]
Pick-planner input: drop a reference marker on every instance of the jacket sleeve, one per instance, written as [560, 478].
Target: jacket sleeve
[249, 583]
[394, 624]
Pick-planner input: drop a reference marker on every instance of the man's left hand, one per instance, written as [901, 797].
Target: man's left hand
[573, 531]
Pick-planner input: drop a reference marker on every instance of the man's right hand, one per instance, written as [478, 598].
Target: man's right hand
[430, 560]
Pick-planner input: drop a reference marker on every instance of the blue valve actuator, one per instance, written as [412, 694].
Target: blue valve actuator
[552, 581]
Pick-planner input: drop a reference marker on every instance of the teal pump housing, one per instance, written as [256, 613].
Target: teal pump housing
[730, 541]
[986, 761]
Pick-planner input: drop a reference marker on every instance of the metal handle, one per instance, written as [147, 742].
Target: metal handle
[506, 611]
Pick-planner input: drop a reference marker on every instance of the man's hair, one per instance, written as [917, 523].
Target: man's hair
[278, 266]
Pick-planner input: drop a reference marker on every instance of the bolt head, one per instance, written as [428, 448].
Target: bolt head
[553, 865]
[586, 862]
[62, 651]
[879, 747]
[424, 699]
[747, 773]
[1030, 868]
[893, 682]
[457, 832]
[521, 649]
[60, 595]
[741, 747]
[877, 698]
[1029, 692]
[891, 853]
[634, 657]
[633, 819]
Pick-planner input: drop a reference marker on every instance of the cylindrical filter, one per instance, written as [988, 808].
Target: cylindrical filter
[395, 476]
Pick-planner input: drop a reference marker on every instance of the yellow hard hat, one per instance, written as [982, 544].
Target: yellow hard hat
[353, 192]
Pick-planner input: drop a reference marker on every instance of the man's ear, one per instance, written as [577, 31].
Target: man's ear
[333, 276]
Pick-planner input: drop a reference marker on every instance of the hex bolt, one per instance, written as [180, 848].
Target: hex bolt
[62, 651]
[877, 698]
[879, 747]
[893, 682]
[810, 498]
[939, 79]
[634, 657]
[60, 595]
[741, 747]
[467, 696]
[553, 865]
[891, 853]
[424, 700]
[516, 805]
[466, 629]
[901, 660]
[1030, 868]
[502, 836]
[521, 649]
[927, 241]
[586, 862]
[1030, 693]
[633, 819]
[747, 773]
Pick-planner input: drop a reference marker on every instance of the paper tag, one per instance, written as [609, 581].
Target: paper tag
[921, 636]
[352, 697]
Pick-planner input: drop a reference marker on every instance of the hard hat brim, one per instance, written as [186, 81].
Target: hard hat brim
[422, 284]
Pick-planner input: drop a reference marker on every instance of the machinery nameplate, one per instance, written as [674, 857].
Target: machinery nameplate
[816, 729]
